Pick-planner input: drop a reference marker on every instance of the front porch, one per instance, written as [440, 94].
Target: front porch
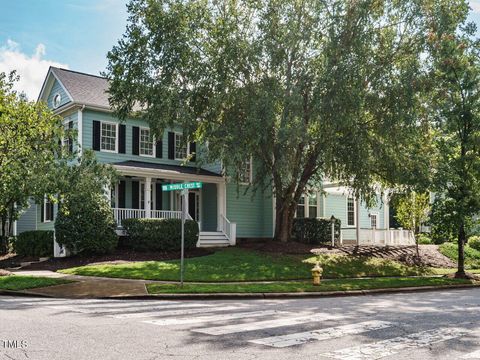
[138, 194]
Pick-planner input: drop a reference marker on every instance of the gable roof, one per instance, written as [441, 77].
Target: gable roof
[83, 88]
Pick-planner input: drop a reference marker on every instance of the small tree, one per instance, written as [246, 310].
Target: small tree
[455, 75]
[413, 209]
[30, 153]
[85, 222]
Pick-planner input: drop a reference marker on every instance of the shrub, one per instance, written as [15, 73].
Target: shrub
[474, 242]
[85, 224]
[424, 239]
[315, 230]
[36, 243]
[159, 234]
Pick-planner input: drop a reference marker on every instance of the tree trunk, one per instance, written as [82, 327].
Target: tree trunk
[284, 221]
[461, 251]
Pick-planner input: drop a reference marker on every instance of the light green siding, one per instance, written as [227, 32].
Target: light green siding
[57, 89]
[252, 212]
[28, 219]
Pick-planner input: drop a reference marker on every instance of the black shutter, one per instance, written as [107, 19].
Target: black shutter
[171, 145]
[193, 150]
[121, 194]
[121, 138]
[42, 211]
[159, 149]
[135, 140]
[96, 135]
[70, 137]
[51, 211]
[158, 196]
[135, 195]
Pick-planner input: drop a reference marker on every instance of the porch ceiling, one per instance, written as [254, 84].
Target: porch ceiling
[174, 172]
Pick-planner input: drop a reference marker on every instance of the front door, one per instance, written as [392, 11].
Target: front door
[194, 205]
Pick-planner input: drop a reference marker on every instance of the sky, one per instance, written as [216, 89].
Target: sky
[72, 34]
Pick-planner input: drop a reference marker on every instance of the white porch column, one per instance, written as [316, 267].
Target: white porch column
[148, 197]
[221, 210]
[357, 220]
[386, 211]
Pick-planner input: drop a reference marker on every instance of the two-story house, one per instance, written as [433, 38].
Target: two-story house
[144, 164]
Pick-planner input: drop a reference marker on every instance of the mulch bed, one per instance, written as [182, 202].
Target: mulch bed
[117, 257]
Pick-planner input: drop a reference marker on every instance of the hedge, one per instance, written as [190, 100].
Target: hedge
[36, 243]
[316, 230]
[474, 242]
[159, 234]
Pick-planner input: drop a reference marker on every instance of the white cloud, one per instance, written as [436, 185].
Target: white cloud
[475, 5]
[31, 68]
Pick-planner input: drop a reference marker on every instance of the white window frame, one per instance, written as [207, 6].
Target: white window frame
[250, 172]
[187, 152]
[116, 136]
[54, 105]
[377, 218]
[305, 200]
[140, 142]
[354, 211]
[44, 220]
[316, 205]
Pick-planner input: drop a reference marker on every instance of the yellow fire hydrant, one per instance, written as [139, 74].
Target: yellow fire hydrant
[317, 274]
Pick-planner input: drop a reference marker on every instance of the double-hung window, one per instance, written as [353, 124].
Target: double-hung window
[374, 221]
[301, 207]
[350, 211]
[146, 142]
[312, 205]
[47, 210]
[246, 172]
[181, 148]
[108, 137]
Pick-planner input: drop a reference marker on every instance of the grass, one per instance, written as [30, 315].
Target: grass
[472, 256]
[18, 282]
[330, 285]
[236, 264]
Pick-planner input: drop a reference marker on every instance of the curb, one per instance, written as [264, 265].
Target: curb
[237, 296]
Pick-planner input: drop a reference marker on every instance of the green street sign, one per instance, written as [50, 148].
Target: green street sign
[182, 186]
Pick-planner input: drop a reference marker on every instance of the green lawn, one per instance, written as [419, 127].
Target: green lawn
[330, 285]
[17, 282]
[234, 264]
[472, 256]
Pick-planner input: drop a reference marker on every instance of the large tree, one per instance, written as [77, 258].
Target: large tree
[455, 74]
[310, 89]
[30, 151]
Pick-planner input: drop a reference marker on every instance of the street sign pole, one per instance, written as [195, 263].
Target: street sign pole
[184, 187]
[182, 251]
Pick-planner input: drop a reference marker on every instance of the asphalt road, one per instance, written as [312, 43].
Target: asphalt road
[425, 325]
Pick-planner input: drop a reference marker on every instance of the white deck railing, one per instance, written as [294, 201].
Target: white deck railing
[391, 237]
[378, 237]
[229, 229]
[121, 214]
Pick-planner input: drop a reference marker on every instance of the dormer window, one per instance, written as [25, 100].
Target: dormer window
[57, 99]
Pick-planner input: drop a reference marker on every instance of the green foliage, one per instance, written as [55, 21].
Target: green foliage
[472, 256]
[316, 231]
[36, 243]
[85, 222]
[19, 282]
[423, 239]
[159, 234]
[474, 242]
[30, 155]
[412, 210]
[310, 89]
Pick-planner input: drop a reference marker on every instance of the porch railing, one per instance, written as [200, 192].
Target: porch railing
[121, 214]
[229, 229]
[392, 237]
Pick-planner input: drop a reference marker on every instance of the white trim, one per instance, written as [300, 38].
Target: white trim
[59, 102]
[354, 212]
[166, 174]
[80, 130]
[140, 128]
[45, 211]
[48, 84]
[116, 136]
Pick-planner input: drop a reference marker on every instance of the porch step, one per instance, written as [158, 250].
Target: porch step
[213, 239]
